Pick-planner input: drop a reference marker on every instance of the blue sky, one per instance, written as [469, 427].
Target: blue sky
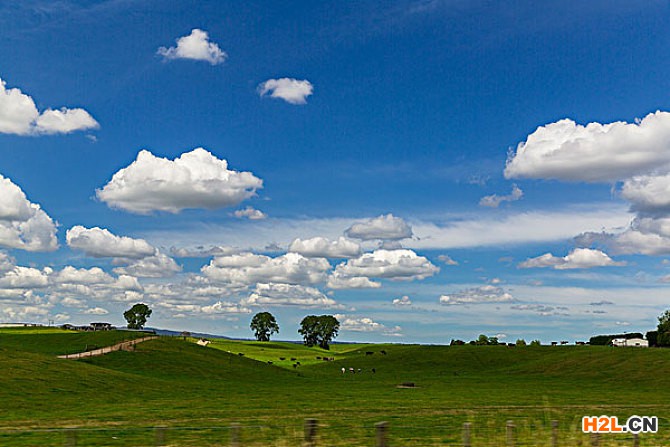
[435, 150]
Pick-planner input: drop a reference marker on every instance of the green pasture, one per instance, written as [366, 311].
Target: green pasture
[197, 392]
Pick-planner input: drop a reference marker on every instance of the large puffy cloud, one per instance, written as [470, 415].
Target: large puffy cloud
[247, 268]
[596, 152]
[195, 46]
[19, 116]
[478, 295]
[579, 258]
[384, 227]
[290, 90]
[101, 243]
[274, 294]
[196, 179]
[390, 264]
[320, 247]
[25, 278]
[24, 224]
[648, 193]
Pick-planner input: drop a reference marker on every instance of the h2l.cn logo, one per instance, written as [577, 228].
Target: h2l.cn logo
[610, 424]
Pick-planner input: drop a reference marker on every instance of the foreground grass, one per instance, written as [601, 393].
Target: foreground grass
[198, 392]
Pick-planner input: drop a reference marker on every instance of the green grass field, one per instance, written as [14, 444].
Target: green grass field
[197, 392]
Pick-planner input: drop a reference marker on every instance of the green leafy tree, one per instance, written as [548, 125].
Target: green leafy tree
[482, 340]
[521, 342]
[652, 338]
[536, 343]
[264, 325]
[137, 316]
[319, 330]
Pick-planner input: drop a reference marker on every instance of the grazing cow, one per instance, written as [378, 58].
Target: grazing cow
[344, 370]
[269, 362]
[374, 370]
[293, 359]
[318, 357]
[282, 358]
[369, 353]
[383, 352]
[359, 370]
[352, 370]
[554, 343]
[240, 354]
[295, 365]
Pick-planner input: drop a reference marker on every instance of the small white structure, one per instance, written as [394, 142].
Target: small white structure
[203, 342]
[634, 342]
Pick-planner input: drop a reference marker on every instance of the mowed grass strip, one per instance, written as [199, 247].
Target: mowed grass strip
[198, 391]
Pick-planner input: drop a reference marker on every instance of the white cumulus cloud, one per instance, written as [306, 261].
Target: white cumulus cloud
[579, 258]
[101, 243]
[250, 213]
[339, 281]
[23, 224]
[366, 324]
[390, 264]
[19, 116]
[195, 46]
[565, 150]
[158, 266]
[402, 301]
[321, 247]
[384, 227]
[246, 269]
[196, 179]
[72, 275]
[274, 294]
[290, 90]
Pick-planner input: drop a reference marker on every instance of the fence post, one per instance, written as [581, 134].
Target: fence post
[554, 433]
[381, 429]
[70, 438]
[466, 434]
[636, 440]
[310, 432]
[234, 434]
[160, 436]
[510, 434]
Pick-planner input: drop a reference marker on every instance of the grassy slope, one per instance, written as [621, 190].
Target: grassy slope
[177, 383]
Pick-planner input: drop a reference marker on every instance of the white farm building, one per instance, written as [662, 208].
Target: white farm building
[635, 342]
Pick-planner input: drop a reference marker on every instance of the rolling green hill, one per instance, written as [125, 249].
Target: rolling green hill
[197, 392]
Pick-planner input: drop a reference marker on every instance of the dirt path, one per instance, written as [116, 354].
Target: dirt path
[123, 346]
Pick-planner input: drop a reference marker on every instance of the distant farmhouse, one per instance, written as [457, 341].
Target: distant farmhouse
[635, 342]
[90, 328]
